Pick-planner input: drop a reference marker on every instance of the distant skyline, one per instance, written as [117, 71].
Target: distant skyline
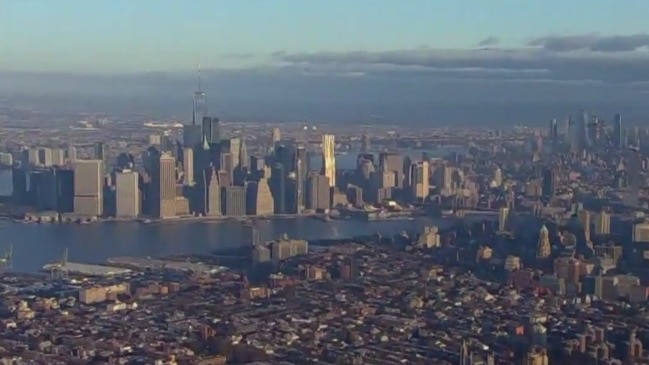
[125, 36]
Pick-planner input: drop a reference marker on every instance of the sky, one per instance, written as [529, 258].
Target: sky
[448, 60]
[103, 36]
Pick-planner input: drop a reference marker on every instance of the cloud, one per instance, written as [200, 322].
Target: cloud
[592, 42]
[570, 58]
[489, 41]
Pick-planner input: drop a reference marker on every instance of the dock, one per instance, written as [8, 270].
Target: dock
[87, 269]
[140, 263]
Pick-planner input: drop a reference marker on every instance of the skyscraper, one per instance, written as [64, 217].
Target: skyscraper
[544, 249]
[199, 102]
[392, 162]
[278, 188]
[234, 201]
[603, 223]
[213, 201]
[329, 158]
[127, 194]
[188, 166]
[259, 198]
[88, 187]
[554, 131]
[549, 183]
[276, 135]
[300, 177]
[163, 183]
[211, 130]
[318, 192]
[584, 219]
[420, 186]
[618, 133]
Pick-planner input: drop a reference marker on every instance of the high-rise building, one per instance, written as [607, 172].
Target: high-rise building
[549, 183]
[618, 132]
[88, 187]
[259, 198]
[318, 192]
[554, 130]
[163, 184]
[276, 135]
[192, 135]
[72, 154]
[584, 219]
[234, 147]
[58, 157]
[641, 232]
[503, 215]
[278, 188]
[213, 206]
[45, 157]
[544, 249]
[65, 190]
[46, 191]
[188, 166]
[420, 186]
[199, 102]
[329, 158]
[300, 178]
[127, 194]
[244, 160]
[211, 130]
[234, 201]
[100, 151]
[603, 223]
[392, 162]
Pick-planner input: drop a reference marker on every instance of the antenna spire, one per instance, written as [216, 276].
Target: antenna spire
[199, 77]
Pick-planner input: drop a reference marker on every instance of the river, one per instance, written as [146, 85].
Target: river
[35, 245]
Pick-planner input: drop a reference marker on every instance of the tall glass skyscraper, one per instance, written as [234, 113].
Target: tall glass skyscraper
[618, 133]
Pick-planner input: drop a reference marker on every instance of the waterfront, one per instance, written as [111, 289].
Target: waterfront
[35, 245]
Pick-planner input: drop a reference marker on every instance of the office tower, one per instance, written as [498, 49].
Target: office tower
[276, 136]
[444, 177]
[603, 223]
[365, 143]
[392, 162]
[244, 160]
[618, 132]
[199, 102]
[234, 148]
[213, 201]
[285, 155]
[549, 183]
[188, 166]
[19, 185]
[420, 187]
[127, 194]
[163, 187]
[318, 192]
[554, 131]
[259, 198]
[45, 157]
[71, 154]
[100, 151]
[580, 137]
[329, 158]
[234, 201]
[211, 129]
[65, 190]
[584, 219]
[88, 187]
[226, 165]
[46, 191]
[300, 177]
[503, 215]
[544, 249]
[498, 177]
[58, 157]
[192, 135]
[278, 188]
